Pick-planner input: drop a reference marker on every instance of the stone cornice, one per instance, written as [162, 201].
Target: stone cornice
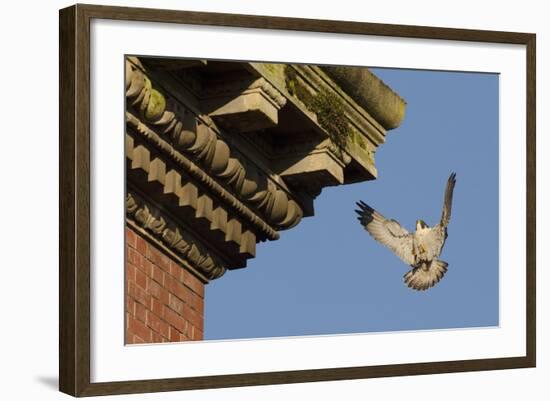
[169, 234]
[201, 143]
[223, 155]
[370, 92]
[331, 109]
[357, 115]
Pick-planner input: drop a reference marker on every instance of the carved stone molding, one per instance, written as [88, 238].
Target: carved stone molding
[191, 195]
[155, 170]
[180, 242]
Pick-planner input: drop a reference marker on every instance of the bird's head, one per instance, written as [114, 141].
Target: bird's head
[421, 225]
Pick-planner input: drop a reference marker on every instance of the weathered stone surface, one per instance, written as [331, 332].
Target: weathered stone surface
[370, 92]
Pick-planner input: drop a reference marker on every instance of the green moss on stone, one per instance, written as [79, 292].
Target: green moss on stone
[326, 105]
[296, 88]
[331, 116]
[270, 67]
[156, 106]
[148, 84]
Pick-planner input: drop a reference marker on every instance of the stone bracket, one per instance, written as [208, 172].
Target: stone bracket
[243, 106]
[319, 166]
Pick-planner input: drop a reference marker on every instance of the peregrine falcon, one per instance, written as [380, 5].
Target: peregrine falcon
[420, 249]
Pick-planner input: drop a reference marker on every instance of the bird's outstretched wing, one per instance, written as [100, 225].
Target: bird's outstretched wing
[388, 232]
[434, 239]
[448, 201]
[425, 275]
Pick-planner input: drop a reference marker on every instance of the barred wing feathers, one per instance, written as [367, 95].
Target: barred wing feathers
[448, 200]
[434, 241]
[388, 232]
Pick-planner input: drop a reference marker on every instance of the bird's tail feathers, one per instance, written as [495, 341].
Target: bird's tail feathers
[426, 275]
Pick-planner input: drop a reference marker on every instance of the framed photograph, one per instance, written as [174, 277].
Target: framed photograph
[250, 200]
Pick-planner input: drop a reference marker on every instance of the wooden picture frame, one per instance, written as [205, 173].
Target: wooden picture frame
[74, 274]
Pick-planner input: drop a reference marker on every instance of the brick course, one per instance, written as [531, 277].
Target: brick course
[164, 301]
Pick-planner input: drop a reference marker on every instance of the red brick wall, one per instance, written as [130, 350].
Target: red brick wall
[164, 301]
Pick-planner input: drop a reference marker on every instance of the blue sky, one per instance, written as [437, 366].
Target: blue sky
[328, 276]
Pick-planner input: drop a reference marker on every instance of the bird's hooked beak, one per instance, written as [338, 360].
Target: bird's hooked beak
[421, 224]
